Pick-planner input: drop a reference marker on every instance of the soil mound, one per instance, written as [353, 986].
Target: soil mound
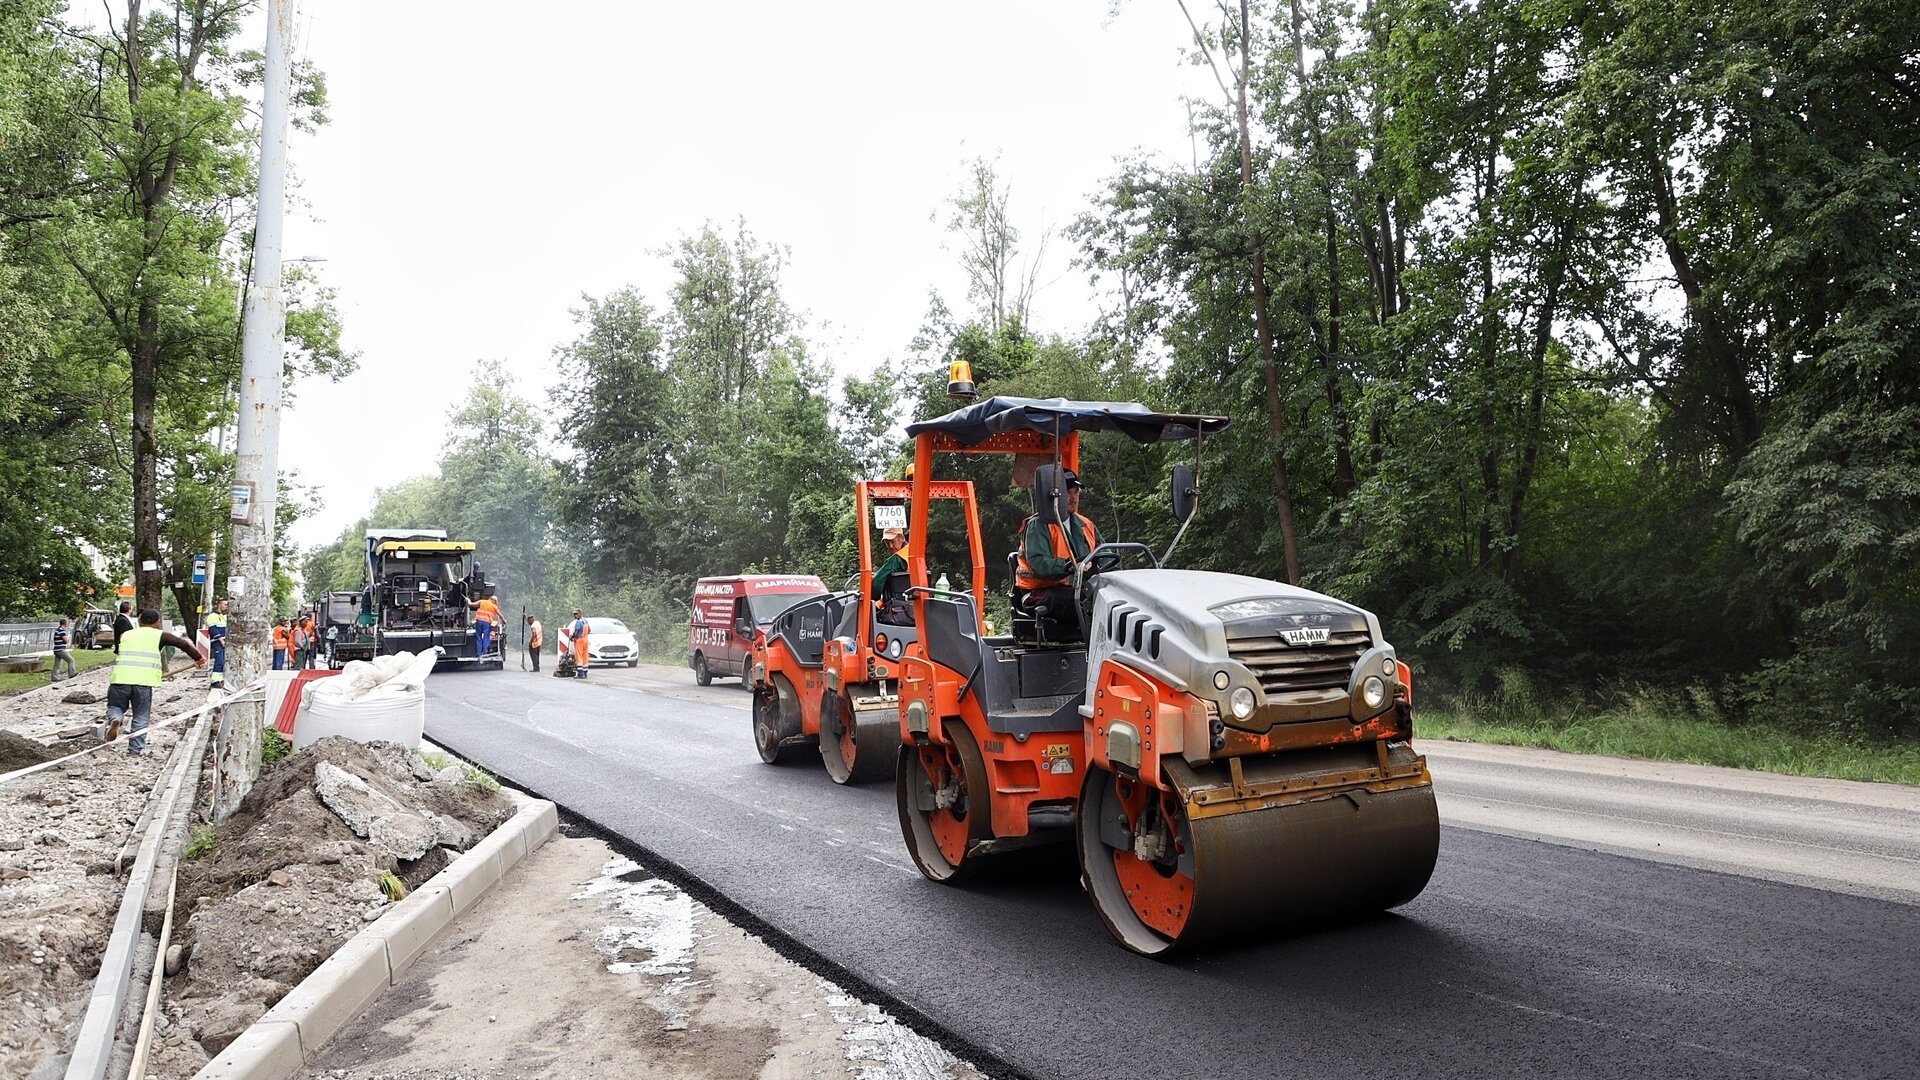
[306, 861]
[18, 752]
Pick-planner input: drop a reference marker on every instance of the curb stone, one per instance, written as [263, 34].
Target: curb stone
[366, 965]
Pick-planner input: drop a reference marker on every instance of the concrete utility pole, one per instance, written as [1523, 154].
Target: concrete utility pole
[257, 452]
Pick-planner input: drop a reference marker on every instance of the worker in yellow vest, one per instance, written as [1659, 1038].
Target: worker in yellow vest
[137, 672]
[536, 639]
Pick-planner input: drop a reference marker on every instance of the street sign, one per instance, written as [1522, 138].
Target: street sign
[199, 569]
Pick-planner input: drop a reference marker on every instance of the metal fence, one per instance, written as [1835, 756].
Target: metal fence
[21, 641]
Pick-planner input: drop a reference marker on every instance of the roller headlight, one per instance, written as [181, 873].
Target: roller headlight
[1220, 680]
[1373, 690]
[894, 649]
[1387, 666]
[1241, 703]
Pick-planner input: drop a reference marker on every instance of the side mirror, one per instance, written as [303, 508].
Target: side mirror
[1184, 493]
[1050, 494]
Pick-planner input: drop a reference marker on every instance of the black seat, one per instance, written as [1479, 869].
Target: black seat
[1021, 691]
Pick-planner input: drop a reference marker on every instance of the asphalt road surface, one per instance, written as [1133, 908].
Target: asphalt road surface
[1539, 949]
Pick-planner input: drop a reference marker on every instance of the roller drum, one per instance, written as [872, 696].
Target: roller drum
[1256, 872]
[858, 746]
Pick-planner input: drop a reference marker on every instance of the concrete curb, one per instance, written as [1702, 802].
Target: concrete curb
[278, 1044]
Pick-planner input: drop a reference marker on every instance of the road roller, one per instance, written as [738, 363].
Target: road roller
[826, 671]
[1228, 756]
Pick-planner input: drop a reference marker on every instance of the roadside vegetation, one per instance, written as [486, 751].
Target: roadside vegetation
[1663, 725]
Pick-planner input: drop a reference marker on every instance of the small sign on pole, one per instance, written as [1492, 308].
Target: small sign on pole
[242, 511]
[199, 569]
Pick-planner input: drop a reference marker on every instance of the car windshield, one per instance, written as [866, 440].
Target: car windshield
[767, 605]
[606, 626]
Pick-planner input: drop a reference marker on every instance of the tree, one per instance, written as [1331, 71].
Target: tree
[990, 246]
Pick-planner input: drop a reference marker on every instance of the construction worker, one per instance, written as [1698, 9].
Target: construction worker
[282, 643]
[217, 642]
[1048, 554]
[575, 633]
[536, 637]
[890, 580]
[137, 672]
[308, 639]
[486, 619]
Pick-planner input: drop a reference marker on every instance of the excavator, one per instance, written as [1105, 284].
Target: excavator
[1227, 755]
[827, 669]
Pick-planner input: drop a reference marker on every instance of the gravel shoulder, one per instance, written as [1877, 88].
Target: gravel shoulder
[582, 964]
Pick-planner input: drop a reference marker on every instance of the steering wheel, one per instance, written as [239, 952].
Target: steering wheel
[1098, 561]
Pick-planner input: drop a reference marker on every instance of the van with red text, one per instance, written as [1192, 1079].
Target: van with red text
[728, 611]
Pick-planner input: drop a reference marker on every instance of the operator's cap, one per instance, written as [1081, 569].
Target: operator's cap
[1073, 480]
[893, 534]
[576, 611]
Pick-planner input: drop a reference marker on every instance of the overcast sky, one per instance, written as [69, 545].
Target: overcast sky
[485, 164]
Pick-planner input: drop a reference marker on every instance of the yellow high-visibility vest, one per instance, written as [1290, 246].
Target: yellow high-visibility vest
[139, 663]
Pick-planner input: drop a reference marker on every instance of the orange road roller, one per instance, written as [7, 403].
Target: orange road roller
[1229, 756]
[826, 670]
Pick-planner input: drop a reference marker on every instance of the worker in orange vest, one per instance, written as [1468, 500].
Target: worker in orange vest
[486, 620]
[1048, 552]
[575, 634]
[282, 643]
[536, 637]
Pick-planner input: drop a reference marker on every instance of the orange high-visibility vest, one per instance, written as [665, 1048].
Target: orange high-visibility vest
[488, 610]
[534, 637]
[282, 638]
[1023, 575]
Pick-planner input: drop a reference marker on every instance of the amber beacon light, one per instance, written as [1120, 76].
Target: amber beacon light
[960, 381]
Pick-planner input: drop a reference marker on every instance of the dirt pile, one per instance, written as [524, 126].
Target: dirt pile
[299, 869]
[18, 752]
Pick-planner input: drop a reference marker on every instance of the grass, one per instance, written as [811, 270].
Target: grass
[18, 682]
[1662, 727]
[391, 885]
[273, 746]
[481, 777]
[436, 762]
[202, 840]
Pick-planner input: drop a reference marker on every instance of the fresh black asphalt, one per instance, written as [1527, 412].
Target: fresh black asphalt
[1521, 959]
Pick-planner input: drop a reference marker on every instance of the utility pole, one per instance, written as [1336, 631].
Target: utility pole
[257, 451]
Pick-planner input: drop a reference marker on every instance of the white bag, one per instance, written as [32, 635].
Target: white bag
[382, 700]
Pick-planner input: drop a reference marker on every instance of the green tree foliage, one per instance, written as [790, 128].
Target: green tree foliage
[1592, 349]
[126, 184]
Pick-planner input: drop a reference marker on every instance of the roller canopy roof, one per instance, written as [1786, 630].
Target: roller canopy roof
[983, 419]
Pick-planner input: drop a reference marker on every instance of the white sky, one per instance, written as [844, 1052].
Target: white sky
[487, 163]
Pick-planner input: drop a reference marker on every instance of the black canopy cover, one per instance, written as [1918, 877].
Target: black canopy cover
[984, 419]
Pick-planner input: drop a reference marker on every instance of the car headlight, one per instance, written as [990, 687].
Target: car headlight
[1373, 690]
[1241, 702]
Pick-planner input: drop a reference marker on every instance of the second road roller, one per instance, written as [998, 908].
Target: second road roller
[1229, 756]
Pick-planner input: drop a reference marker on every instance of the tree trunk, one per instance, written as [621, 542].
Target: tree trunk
[1263, 326]
[1532, 433]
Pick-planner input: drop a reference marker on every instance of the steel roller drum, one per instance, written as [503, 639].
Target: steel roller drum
[867, 752]
[1257, 872]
